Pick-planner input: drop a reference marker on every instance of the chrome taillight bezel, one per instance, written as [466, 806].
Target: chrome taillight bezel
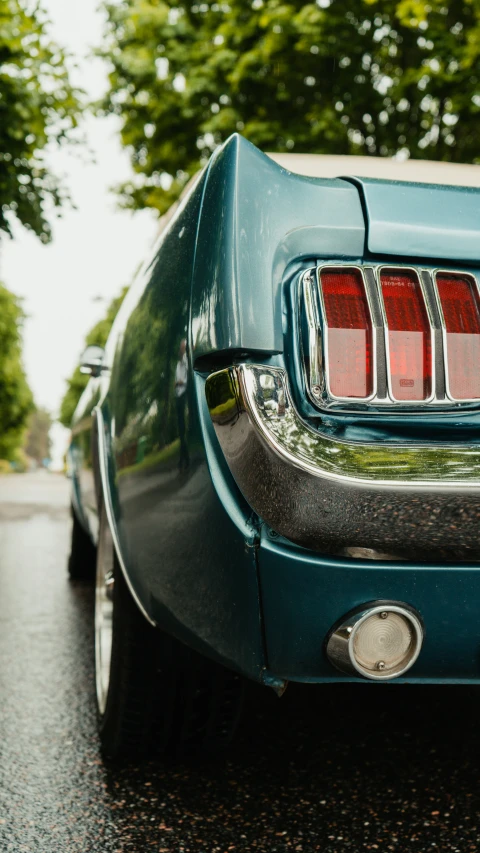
[325, 327]
[378, 273]
[318, 381]
[315, 373]
[331, 395]
[468, 275]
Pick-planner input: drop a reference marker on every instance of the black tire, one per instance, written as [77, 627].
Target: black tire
[162, 698]
[83, 554]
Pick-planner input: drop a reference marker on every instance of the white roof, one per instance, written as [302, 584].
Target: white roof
[419, 171]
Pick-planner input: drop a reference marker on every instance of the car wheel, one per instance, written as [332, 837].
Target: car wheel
[82, 559]
[154, 695]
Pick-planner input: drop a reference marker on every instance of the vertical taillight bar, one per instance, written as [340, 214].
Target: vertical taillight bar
[409, 340]
[460, 314]
[349, 333]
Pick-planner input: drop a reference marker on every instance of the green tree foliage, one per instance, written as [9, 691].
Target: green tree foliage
[342, 77]
[78, 381]
[37, 105]
[38, 443]
[15, 396]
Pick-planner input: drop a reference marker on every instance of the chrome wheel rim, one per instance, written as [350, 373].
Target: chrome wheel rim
[104, 614]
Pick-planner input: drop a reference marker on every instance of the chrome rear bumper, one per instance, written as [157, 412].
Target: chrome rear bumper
[340, 497]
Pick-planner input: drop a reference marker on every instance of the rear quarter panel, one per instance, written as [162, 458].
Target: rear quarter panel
[184, 547]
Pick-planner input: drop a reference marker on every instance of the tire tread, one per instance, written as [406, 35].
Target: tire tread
[83, 554]
[164, 698]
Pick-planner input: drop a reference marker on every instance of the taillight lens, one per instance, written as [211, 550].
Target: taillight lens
[349, 336]
[459, 300]
[409, 335]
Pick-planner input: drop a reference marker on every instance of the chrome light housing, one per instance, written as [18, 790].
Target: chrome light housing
[379, 641]
[416, 339]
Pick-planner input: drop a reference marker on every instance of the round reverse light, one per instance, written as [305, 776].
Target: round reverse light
[379, 641]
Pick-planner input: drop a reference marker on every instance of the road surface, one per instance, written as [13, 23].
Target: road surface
[342, 768]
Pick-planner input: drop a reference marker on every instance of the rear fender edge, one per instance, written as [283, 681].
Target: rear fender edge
[97, 476]
[104, 493]
[77, 505]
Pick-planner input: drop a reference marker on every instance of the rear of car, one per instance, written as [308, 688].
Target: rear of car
[287, 428]
[356, 440]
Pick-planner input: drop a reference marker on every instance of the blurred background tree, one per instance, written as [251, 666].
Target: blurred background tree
[38, 443]
[397, 77]
[78, 381]
[16, 401]
[37, 105]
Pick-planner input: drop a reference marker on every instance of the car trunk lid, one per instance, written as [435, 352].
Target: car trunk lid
[421, 220]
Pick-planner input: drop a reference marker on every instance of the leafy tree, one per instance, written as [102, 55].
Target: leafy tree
[78, 381]
[38, 443]
[335, 76]
[15, 396]
[37, 105]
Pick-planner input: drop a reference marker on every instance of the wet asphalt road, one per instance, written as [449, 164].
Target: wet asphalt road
[347, 768]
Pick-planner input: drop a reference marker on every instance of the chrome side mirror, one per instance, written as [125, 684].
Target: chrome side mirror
[91, 362]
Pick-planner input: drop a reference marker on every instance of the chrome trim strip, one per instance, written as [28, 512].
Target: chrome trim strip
[331, 396]
[473, 279]
[340, 642]
[102, 457]
[311, 450]
[415, 272]
[317, 341]
[328, 494]
[316, 377]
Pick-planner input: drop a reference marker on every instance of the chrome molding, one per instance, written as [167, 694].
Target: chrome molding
[474, 281]
[378, 273]
[102, 464]
[328, 494]
[317, 381]
[326, 380]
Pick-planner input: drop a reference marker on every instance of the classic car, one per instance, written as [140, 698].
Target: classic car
[276, 461]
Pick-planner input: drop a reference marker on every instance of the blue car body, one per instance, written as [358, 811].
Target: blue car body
[250, 567]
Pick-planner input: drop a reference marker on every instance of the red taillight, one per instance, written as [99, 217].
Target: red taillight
[409, 335]
[459, 300]
[349, 337]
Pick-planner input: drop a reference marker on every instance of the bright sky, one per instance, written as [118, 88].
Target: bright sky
[96, 248]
